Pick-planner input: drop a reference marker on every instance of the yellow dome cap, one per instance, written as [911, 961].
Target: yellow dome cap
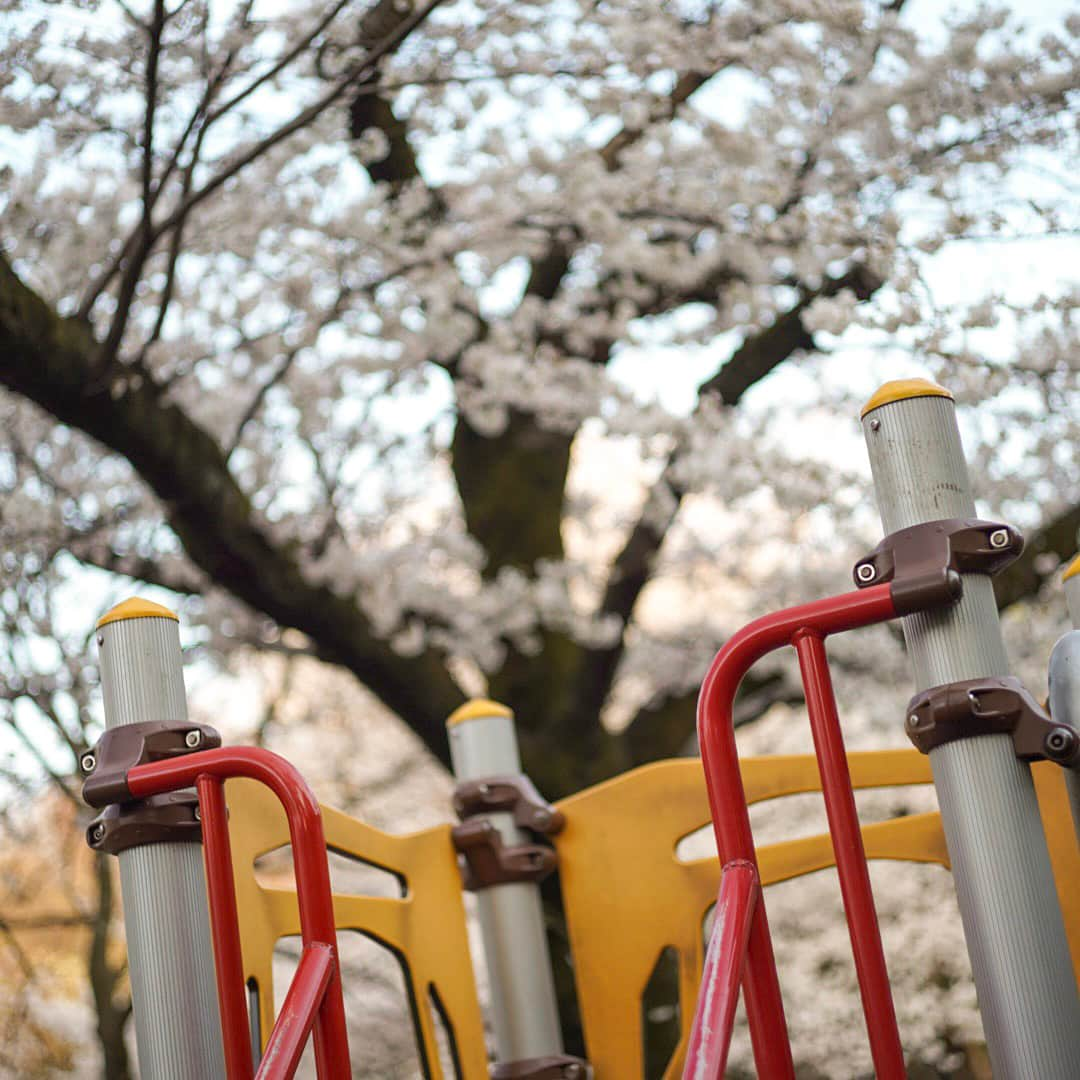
[901, 390]
[136, 608]
[477, 709]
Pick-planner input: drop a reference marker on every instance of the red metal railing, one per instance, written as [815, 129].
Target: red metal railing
[314, 999]
[741, 947]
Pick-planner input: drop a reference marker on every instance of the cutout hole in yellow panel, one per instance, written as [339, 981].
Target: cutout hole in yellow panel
[349, 875]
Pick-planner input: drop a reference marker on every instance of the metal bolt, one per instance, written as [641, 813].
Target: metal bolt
[101, 639]
[875, 424]
[913, 721]
[541, 817]
[485, 790]
[573, 1072]
[865, 571]
[98, 833]
[999, 538]
[1060, 742]
[198, 814]
[192, 739]
[88, 763]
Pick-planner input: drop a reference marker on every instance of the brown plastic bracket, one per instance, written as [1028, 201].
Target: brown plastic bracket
[489, 861]
[513, 794]
[171, 818]
[990, 706]
[122, 748]
[553, 1067]
[924, 562]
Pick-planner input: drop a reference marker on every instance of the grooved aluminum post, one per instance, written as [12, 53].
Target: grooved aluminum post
[1065, 680]
[1004, 883]
[525, 1015]
[170, 956]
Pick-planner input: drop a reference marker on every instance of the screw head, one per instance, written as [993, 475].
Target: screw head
[999, 538]
[485, 790]
[573, 1072]
[913, 721]
[865, 572]
[98, 832]
[875, 424]
[192, 739]
[88, 763]
[1060, 742]
[101, 639]
[198, 814]
[541, 817]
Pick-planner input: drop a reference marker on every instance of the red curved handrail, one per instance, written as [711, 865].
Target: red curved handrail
[314, 998]
[804, 627]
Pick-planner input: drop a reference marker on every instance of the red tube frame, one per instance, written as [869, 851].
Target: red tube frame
[314, 996]
[805, 627]
[710, 1037]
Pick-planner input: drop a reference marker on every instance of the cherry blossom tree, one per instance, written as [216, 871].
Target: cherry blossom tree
[334, 322]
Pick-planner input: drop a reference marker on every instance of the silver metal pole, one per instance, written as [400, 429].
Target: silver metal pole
[1065, 680]
[525, 1015]
[1005, 886]
[170, 956]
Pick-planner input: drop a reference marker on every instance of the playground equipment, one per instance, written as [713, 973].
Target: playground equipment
[1005, 828]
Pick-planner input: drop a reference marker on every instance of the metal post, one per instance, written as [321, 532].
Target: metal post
[1008, 902]
[1065, 679]
[525, 1016]
[170, 957]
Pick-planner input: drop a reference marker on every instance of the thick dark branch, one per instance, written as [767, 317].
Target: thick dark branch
[684, 86]
[1044, 551]
[398, 166]
[760, 353]
[47, 359]
[668, 728]
[633, 567]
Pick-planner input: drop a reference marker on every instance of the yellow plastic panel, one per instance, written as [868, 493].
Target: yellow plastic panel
[628, 897]
[426, 926]
[1064, 851]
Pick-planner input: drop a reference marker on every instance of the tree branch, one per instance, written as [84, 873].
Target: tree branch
[1045, 549]
[632, 569]
[668, 727]
[764, 351]
[48, 359]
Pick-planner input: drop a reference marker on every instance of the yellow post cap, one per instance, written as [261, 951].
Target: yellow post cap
[1072, 569]
[901, 390]
[137, 608]
[477, 709]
